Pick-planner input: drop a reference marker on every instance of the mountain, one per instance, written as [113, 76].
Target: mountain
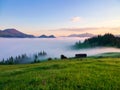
[82, 35]
[45, 36]
[51, 36]
[14, 33]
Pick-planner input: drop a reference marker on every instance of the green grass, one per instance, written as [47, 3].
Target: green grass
[107, 55]
[110, 54]
[72, 74]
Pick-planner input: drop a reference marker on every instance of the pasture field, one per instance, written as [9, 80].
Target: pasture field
[69, 74]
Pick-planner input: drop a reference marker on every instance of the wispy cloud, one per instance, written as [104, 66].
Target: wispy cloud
[76, 19]
[90, 28]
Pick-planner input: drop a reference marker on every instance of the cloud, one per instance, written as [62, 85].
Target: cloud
[90, 28]
[76, 19]
[79, 29]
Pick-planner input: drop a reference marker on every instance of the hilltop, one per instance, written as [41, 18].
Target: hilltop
[107, 40]
[45, 36]
[14, 33]
[82, 35]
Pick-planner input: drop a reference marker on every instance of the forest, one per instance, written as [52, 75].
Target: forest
[106, 40]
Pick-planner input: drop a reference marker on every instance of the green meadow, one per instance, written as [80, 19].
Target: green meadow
[70, 74]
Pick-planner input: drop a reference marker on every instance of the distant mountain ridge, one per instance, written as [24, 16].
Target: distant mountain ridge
[14, 33]
[82, 35]
[45, 36]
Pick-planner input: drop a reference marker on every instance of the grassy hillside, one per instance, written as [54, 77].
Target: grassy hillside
[73, 74]
[110, 54]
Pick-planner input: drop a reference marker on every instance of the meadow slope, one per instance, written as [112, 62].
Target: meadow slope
[71, 74]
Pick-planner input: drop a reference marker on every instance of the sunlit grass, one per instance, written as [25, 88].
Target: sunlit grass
[72, 74]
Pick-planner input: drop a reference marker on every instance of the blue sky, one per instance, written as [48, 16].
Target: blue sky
[60, 17]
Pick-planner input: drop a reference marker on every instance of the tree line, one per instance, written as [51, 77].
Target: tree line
[22, 58]
[106, 40]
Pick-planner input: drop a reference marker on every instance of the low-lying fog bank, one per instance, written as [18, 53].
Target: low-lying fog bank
[54, 47]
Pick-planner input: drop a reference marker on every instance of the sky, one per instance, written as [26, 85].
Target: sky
[61, 17]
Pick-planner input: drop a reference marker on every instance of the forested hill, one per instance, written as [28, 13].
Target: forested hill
[107, 40]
